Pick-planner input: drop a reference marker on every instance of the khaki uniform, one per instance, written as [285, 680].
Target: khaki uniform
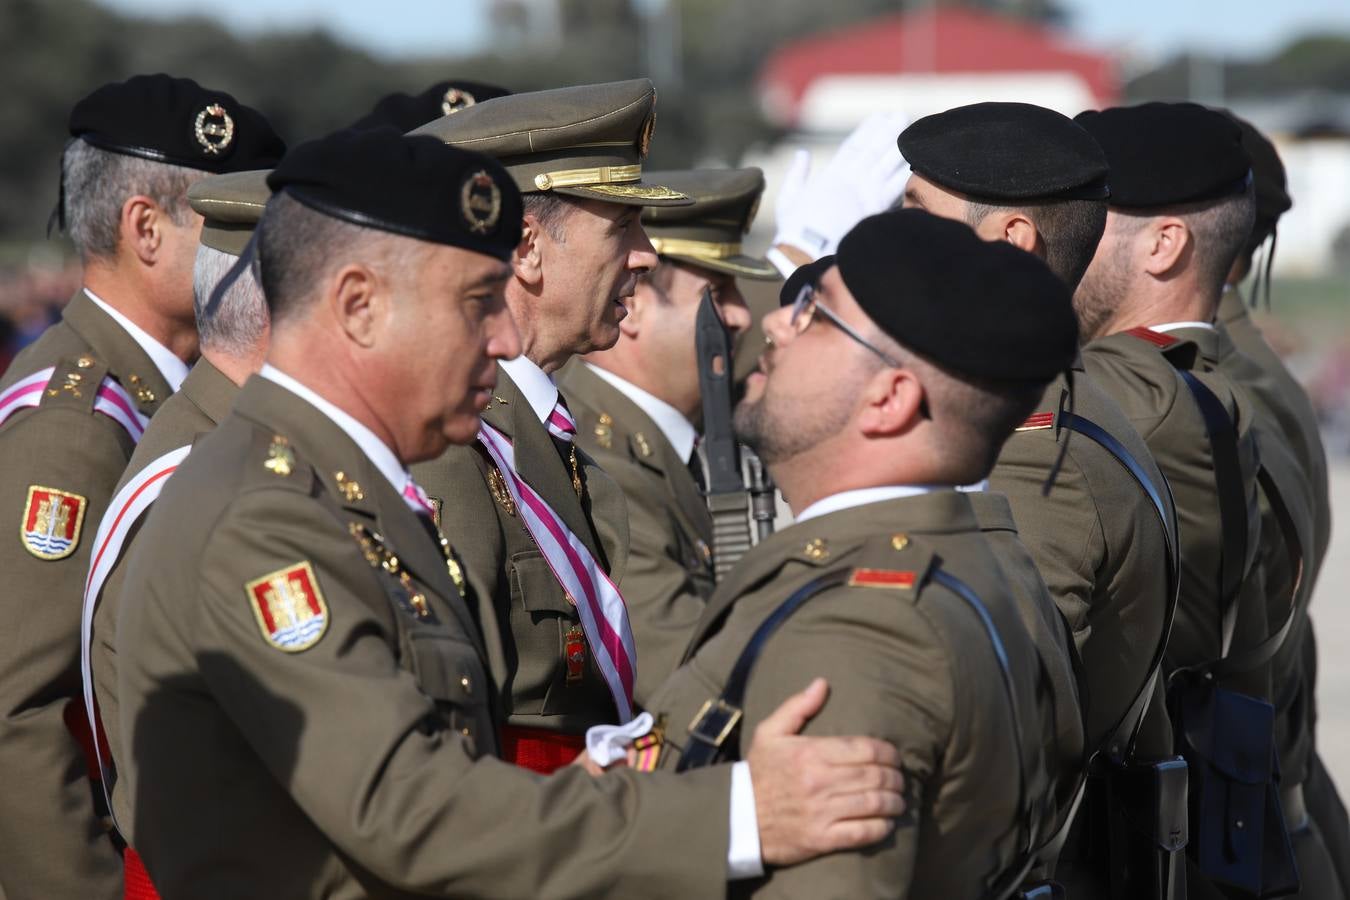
[324, 708]
[1142, 377]
[52, 846]
[199, 405]
[1099, 544]
[522, 610]
[907, 661]
[669, 575]
[1289, 421]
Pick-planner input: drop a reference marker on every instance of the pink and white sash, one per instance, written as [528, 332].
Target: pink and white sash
[604, 616]
[125, 510]
[112, 400]
[560, 422]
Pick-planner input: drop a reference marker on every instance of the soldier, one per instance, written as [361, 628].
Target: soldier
[1181, 209]
[408, 111]
[535, 517]
[885, 580]
[233, 337]
[297, 654]
[1292, 452]
[636, 406]
[73, 406]
[1030, 176]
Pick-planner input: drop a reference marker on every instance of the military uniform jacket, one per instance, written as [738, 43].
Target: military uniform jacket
[1140, 371]
[299, 675]
[1279, 452]
[199, 405]
[669, 575]
[908, 661]
[67, 456]
[1098, 541]
[523, 611]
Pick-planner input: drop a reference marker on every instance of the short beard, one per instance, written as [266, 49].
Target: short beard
[1099, 296]
[777, 436]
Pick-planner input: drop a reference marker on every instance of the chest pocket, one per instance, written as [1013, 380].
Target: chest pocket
[540, 620]
[448, 671]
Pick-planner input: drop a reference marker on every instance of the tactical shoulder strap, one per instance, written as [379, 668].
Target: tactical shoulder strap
[713, 734]
[1232, 503]
[1121, 741]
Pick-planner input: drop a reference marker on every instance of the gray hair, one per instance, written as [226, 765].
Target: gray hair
[96, 183]
[238, 322]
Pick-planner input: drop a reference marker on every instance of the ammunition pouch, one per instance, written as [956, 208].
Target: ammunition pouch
[1239, 836]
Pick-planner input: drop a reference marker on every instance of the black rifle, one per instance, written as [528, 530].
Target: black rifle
[726, 495]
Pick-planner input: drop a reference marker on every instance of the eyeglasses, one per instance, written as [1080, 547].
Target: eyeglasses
[804, 310]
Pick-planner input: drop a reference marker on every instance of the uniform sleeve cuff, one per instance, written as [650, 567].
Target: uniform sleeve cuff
[743, 853]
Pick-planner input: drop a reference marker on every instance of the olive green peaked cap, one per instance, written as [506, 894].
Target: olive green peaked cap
[231, 205]
[708, 233]
[586, 141]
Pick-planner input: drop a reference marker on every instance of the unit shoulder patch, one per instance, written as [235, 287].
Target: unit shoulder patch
[51, 523]
[289, 607]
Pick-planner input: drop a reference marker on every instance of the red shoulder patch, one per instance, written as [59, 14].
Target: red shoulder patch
[882, 578]
[1156, 338]
[1037, 421]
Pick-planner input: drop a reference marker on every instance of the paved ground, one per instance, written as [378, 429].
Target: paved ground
[1331, 617]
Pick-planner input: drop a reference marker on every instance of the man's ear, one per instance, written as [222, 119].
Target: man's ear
[1170, 243]
[356, 300]
[1021, 232]
[527, 262]
[891, 403]
[142, 228]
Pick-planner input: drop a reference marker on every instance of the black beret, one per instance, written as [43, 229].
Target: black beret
[408, 111]
[1163, 154]
[801, 277]
[1006, 151]
[1268, 177]
[979, 308]
[413, 186]
[176, 121]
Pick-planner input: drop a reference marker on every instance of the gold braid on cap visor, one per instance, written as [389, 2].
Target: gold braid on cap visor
[695, 249]
[563, 178]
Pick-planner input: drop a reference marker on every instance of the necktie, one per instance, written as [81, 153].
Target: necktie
[560, 422]
[417, 499]
[696, 468]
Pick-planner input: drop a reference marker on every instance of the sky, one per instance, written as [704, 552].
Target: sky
[1133, 27]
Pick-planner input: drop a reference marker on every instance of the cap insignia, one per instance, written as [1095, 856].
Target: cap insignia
[214, 130]
[645, 136]
[455, 100]
[480, 200]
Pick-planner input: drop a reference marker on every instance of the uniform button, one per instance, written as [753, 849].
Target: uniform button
[465, 683]
[465, 731]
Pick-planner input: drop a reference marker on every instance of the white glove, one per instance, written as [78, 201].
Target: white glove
[866, 175]
[607, 744]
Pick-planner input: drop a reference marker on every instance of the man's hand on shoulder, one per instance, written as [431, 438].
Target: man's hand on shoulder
[816, 795]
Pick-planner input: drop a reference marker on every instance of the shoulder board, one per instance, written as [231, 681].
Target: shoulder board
[1156, 338]
[895, 562]
[1037, 421]
[76, 382]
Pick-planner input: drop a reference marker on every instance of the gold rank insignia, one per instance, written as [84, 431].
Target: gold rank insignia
[51, 523]
[381, 557]
[350, 488]
[289, 607]
[143, 393]
[604, 431]
[817, 550]
[280, 457]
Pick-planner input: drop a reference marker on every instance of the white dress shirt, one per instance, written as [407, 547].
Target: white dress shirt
[536, 384]
[1177, 326]
[670, 420]
[170, 366]
[378, 451]
[862, 496]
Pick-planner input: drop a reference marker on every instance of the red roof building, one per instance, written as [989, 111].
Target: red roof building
[933, 47]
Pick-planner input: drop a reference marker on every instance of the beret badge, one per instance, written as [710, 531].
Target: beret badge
[480, 200]
[214, 130]
[455, 100]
